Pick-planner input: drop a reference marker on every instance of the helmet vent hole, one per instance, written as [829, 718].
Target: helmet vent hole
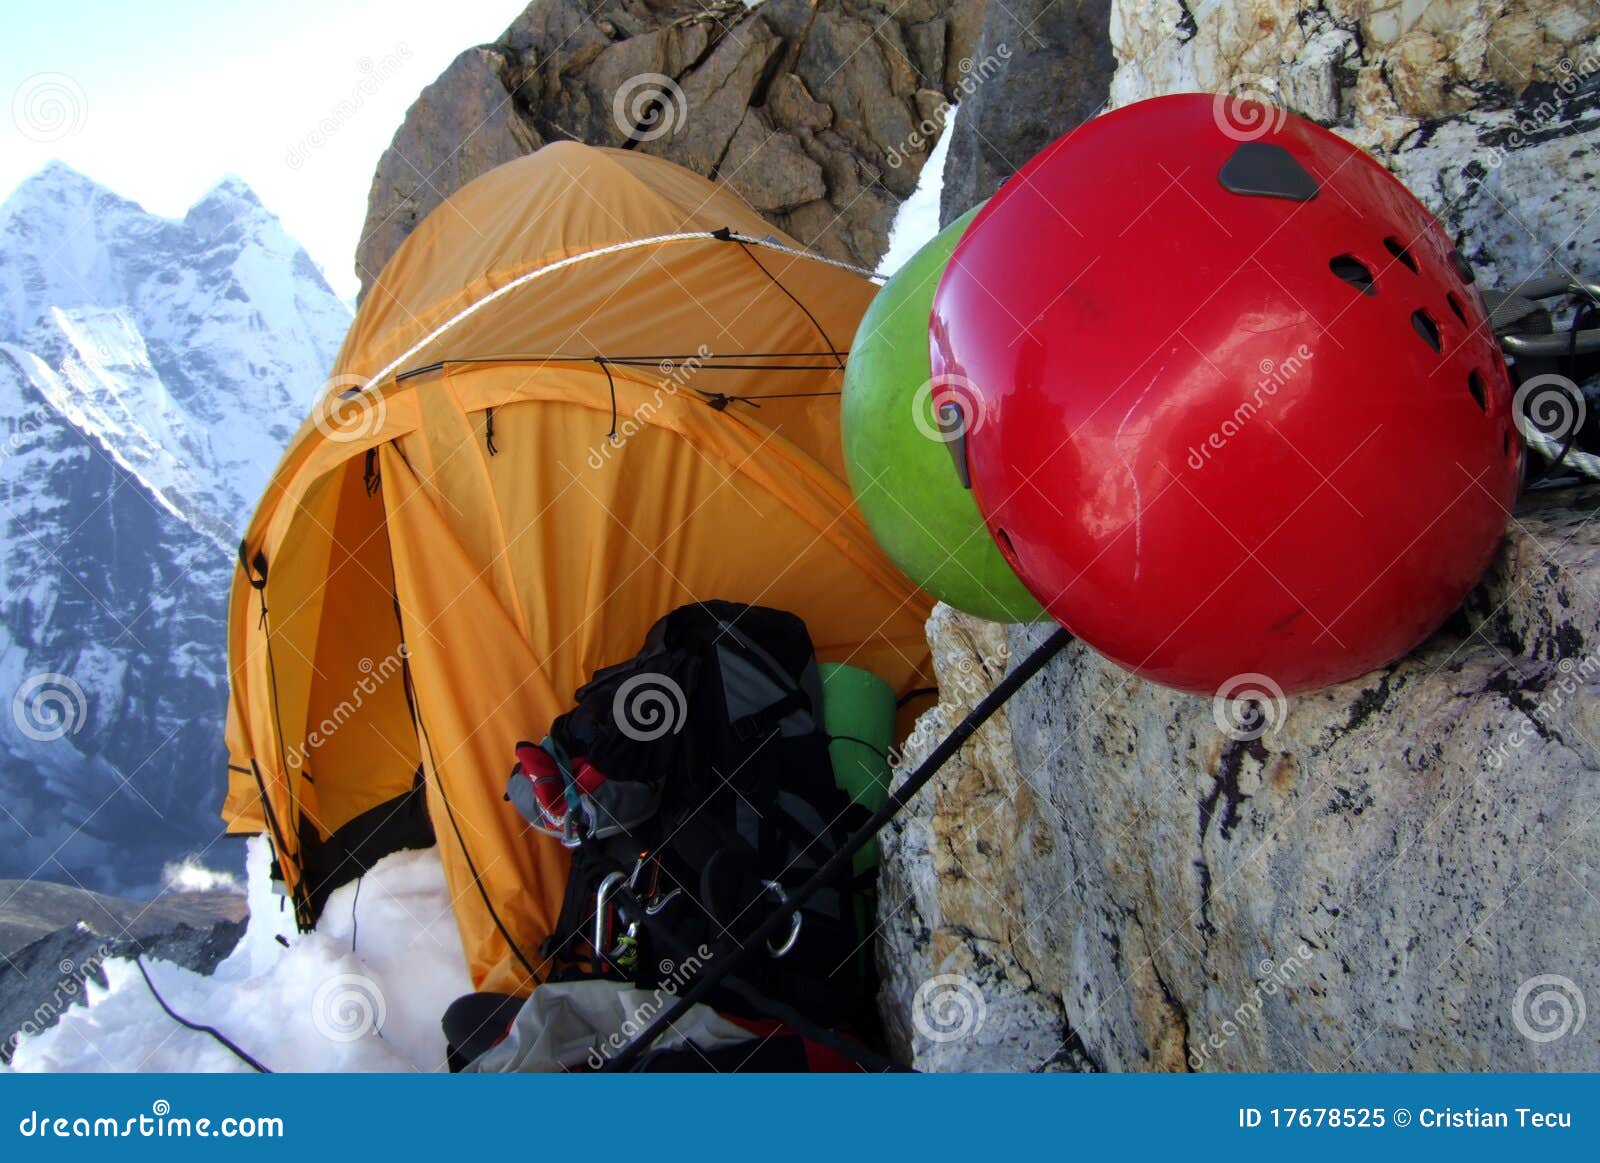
[1455, 306]
[1355, 272]
[1427, 329]
[1398, 249]
[1003, 540]
[1475, 386]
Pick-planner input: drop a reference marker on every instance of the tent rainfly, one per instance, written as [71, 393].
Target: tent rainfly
[589, 388]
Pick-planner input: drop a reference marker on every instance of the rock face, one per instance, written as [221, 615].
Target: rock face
[820, 113]
[1041, 67]
[41, 982]
[1399, 873]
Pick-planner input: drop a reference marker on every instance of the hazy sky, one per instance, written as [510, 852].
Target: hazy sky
[297, 97]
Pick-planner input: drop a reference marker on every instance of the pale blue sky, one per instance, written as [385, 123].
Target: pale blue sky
[159, 100]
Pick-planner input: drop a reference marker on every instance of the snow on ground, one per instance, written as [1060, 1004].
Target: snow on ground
[364, 992]
[917, 220]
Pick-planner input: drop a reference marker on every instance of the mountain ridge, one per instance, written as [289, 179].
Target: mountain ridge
[151, 371]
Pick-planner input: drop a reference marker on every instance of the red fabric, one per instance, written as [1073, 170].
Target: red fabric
[819, 1058]
[539, 766]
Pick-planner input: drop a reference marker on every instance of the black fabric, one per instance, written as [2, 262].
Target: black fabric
[474, 1023]
[352, 850]
[746, 797]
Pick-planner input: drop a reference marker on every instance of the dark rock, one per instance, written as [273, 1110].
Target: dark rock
[42, 981]
[816, 111]
[1040, 69]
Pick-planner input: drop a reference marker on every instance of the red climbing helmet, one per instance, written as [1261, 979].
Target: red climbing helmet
[1230, 403]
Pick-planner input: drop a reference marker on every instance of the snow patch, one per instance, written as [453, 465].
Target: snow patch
[917, 220]
[363, 992]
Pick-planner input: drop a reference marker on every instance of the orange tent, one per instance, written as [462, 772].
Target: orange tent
[589, 388]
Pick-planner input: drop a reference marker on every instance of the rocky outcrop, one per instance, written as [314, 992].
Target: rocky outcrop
[1040, 68]
[1383, 69]
[820, 113]
[43, 980]
[1398, 874]
[1488, 109]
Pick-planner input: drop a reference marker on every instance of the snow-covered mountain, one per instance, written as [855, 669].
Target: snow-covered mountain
[151, 371]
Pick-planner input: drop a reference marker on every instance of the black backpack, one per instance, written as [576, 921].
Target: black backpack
[717, 797]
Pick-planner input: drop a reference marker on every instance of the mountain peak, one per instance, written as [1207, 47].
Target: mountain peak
[57, 182]
[230, 187]
[231, 201]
